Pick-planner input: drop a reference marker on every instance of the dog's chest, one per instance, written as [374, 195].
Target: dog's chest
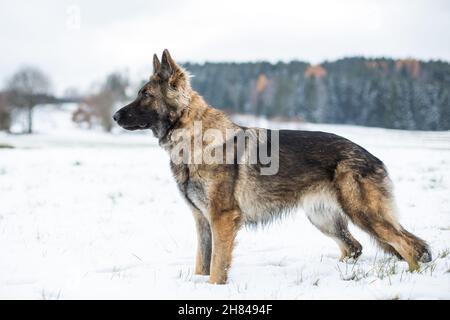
[196, 193]
[192, 187]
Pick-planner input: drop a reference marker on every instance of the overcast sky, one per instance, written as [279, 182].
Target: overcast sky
[78, 42]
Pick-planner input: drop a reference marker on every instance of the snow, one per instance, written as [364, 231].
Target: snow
[85, 214]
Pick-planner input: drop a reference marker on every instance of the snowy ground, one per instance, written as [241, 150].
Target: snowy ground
[89, 215]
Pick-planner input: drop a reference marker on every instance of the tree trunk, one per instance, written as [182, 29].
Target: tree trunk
[30, 119]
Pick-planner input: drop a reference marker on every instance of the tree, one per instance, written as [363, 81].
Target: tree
[101, 105]
[117, 83]
[5, 112]
[27, 87]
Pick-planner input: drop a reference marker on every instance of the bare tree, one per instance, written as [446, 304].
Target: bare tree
[27, 87]
[5, 112]
[100, 106]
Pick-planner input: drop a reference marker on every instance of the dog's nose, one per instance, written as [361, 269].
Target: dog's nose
[116, 116]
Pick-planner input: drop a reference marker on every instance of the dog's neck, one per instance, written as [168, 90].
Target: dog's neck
[197, 111]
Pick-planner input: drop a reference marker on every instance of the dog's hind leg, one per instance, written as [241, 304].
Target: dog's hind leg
[204, 243]
[324, 213]
[368, 202]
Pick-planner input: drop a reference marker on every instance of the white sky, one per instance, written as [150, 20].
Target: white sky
[76, 50]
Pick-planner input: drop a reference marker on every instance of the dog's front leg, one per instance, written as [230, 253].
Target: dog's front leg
[203, 259]
[224, 225]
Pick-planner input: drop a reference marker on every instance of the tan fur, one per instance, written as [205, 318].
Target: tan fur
[368, 201]
[225, 225]
[369, 205]
[333, 179]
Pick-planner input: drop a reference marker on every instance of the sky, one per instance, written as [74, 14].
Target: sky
[78, 42]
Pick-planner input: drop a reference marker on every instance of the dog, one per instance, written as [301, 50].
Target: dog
[332, 178]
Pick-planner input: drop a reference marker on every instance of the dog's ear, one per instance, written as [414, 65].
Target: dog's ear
[156, 64]
[168, 66]
[171, 72]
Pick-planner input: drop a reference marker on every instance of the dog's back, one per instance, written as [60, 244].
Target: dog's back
[307, 165]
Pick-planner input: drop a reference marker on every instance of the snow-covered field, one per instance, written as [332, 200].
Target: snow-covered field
[89, 215]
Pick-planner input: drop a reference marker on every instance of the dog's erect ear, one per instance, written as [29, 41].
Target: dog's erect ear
[156, 64]
[168, 66]
[171, 73]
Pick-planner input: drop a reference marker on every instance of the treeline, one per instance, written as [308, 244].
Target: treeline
[401, 94]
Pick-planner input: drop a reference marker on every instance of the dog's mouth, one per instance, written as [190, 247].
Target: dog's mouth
[141, 126]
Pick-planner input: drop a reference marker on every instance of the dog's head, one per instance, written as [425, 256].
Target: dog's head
[161, 101]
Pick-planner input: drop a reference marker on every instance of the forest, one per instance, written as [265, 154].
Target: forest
[401, 94]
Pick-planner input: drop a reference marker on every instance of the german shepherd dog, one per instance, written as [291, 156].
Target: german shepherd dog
[332, 178]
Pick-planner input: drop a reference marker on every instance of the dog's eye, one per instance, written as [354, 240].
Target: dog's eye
[147, 95]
